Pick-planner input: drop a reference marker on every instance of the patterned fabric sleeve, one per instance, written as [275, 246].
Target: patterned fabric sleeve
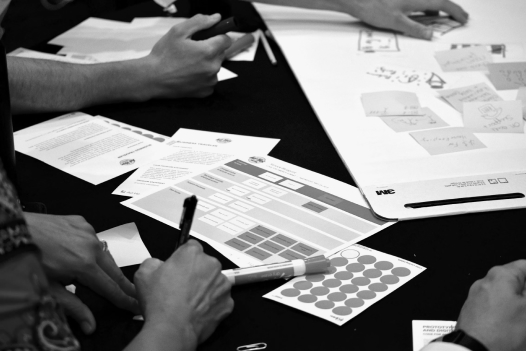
[30, 318]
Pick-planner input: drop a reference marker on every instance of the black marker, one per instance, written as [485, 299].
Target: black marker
[225, 26]
[186, 219]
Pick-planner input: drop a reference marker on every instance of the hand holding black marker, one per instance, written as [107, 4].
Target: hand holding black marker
[223, 27]
[186, 219]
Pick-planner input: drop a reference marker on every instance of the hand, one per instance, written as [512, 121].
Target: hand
[495, 311]
[71, 252]
[182, 67]
[187, 296]
[393, 14]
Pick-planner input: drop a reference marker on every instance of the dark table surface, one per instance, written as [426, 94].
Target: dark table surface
[267, 101]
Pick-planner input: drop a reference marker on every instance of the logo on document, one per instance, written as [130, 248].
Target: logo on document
[256, 159]
[385, 192]
[127, 162]
[223, 140]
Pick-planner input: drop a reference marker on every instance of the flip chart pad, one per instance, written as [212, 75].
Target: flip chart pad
[508, 75]
[447, 140]
[428, 120]
[472, 93]
[391, 103]
[494, 117]
[475, 58]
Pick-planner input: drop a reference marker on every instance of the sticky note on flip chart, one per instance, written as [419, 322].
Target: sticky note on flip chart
[391, 103]
[494, 117]
[508, 75]
[475, 58]
[447, 140]
[428, 120]
[471, 93]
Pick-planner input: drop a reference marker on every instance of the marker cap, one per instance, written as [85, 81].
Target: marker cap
[317, 264]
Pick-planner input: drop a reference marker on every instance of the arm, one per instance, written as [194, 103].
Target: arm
[389, 14]
[176, 67]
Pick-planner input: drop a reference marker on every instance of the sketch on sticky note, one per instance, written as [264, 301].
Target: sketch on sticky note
[407, 76]
[370, 41]
[489, 111]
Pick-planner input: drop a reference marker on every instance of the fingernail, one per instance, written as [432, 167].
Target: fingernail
[216, 16]
[86, 327]
[428, 33]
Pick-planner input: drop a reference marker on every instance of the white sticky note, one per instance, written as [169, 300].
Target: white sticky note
[391, 103]
[475, 58]
[447, 140]
[494, 117]
[471, 93]
[426, 331]
[125, 244]
[428, 120]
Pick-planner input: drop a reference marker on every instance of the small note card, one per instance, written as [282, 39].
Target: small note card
[391, 103]
[494, 117]
[471, 93]
[510, 75]
[447, 140]
[474, 58]
[429, 120]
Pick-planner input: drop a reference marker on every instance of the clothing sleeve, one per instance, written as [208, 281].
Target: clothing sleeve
[30, 318]
[443, 346]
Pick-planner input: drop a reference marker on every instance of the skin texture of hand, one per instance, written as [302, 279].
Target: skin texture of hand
[183, 299]
[495, 310]
[71, 252]
[182, 67]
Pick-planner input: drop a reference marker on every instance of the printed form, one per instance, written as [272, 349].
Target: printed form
[260, 210]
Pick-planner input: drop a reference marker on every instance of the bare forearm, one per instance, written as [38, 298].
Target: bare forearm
[161, 338]
[46, 86]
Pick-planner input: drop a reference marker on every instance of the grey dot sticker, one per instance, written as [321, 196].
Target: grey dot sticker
[337, 296]
[366, 294]
[331, 270]
[344, 275]
[372, 273]
[339, 261]
[401, 271]
[355, 267]
[290, 292]
[303, 285]
[349, 289]
[354, 302]
[383, 265]
[389, 279]
[307, 298]
[377, 287]
[367, 259]
[324, 304]
[361, 281]
[315, 278]
[342, 311]
[319, 291]
[332, 283]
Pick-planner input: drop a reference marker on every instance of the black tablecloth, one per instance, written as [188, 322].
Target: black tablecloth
[266, 101]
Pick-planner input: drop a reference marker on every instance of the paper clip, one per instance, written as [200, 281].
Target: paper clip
[253, 347]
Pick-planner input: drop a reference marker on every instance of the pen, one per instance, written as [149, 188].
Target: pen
[186, 219]
[268, 50]
[225, 26]
[239, 45]
[238, 276]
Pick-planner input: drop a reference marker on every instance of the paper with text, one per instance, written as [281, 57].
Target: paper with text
[391, 103]
[447, 140]
[125, 245]
[508, 75]
[471, 93]
[475, 58]
[494, 117]
[426, 331]
[428, 120]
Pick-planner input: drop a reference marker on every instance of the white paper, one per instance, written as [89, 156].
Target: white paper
[87, 147]
[249, 53]
[426, 331]
[191, 151]
[125, 245]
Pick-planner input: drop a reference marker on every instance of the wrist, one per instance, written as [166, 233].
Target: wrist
[178, 337]
[460, 337]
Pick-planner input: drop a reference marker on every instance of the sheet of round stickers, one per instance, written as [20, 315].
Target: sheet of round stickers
[357, 278]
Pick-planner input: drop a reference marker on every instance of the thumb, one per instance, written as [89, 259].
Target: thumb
[413, 29]
[74, 308]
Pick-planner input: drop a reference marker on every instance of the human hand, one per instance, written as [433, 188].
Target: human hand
[393, 14]
[186, 296]
[71, 252]
[181, 67]
[495, 310]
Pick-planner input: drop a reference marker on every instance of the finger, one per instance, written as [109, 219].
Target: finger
[197, 23]
[74, 308]
[219, 44]
[108, 265]
[446, 6]
[518, 271]
[102, 284]
[411, 28]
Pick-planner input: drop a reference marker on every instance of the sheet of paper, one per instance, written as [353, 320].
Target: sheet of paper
[87, 147]
[447, 140]
[521, 96]
[125, 244]
[140, 131]
[22, 52]
[191, 150]
[472, 93]
[428, 120]
[494, 117]
[391, 103]
[500, 52]
[508, 75]
[426, 331]
[357, 278]
[265, 210]
[474, 58]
